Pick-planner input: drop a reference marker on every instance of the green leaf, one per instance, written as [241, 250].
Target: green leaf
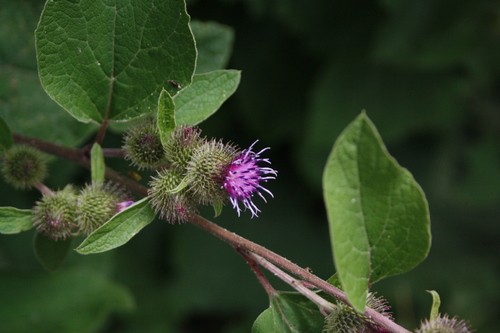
[77, 300]
[97, 166]
[119, 229]
[102, 60]
[14, 220]
[289, 313]
[214, 43]
[205, 95]
[436, 303]
[378, 214]
[166, 116]
[51, 253]
[217, 208]
[5, 135]
[264, 322]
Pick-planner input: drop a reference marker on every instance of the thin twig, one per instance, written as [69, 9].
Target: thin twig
[101, 133]
[44, 190]
[74, 155]
[240, 242]
[80, 156]
[324, 306]
[266, 285]
[113, 152]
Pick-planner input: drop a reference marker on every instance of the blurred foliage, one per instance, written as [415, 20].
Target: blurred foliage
[427, 72]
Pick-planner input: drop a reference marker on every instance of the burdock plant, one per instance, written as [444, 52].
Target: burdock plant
[111, 64]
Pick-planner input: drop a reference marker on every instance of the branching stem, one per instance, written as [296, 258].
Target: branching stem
[268, 288]
[242, 245]
[324, 306]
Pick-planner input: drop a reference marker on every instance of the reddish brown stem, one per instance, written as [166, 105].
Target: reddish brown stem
[239, 243]
[268, 288]
[113, 152]
[79, 156]
[102, 132]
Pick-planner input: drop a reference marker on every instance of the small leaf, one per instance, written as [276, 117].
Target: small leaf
[51, 253]
[102, 60]
[289, 313]
[334, 281]
[14, 220]
[214, 43]
[264, 322]
[436, 303]
[5, 136]
[166, 116]
[97, 166]
[119, 229]
[204, 96]
[217, 208]
[377, 213]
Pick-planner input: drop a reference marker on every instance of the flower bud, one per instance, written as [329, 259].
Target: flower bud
[23, 167]
[171, 205]
[181, 145]
[54, 215]
[97, 203]
[206, 170]
[143, 146]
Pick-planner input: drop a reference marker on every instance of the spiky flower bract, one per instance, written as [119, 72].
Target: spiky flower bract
[23, 167]
[97, 203]
[379, 304]
[172, 207]
[344, 319]
[181, 145]
[244, 177]
[444, 324]
[143, 146]
[54, 215]
[206, 171]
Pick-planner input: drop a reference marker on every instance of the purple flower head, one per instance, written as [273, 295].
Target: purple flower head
[244, 176]
[121, 206]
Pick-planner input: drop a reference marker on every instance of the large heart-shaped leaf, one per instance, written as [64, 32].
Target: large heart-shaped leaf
[102, 59]
[378, 214]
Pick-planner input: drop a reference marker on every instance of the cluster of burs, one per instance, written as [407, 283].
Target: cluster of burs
[344, 319]
[188, 169]
[67, 212]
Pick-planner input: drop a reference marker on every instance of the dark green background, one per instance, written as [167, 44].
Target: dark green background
[427, 72]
